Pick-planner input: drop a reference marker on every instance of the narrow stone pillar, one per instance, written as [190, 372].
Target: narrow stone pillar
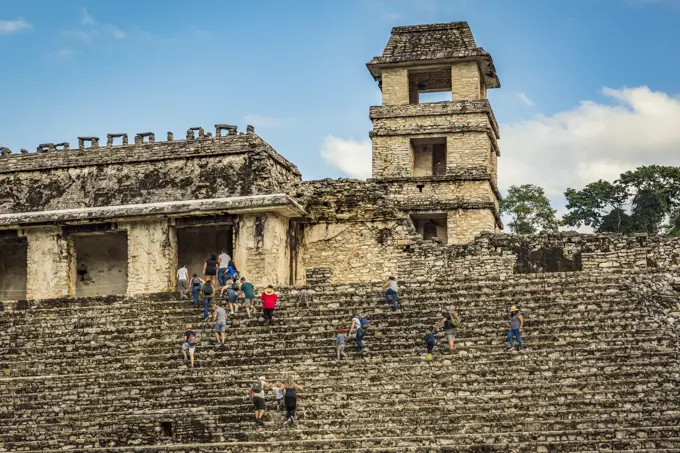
[152, 256]
[261, 250]
[51, 268]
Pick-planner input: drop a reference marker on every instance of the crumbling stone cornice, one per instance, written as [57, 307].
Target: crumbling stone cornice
[51, 157]
[440, 206]
[280, 203]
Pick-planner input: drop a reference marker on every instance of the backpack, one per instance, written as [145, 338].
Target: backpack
[195, 282]
[363, 322]
[207, 290]
[193, 339]
[455, 320]
[429, 338]
[257, 387]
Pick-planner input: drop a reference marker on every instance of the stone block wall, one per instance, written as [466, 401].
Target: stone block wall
[261, 248]
[465, 224]
[147, 172]
[152, 256]
[51, 269]
[395, 89]
[466, 81]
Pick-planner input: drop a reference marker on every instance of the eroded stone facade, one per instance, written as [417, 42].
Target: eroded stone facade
[434, 181]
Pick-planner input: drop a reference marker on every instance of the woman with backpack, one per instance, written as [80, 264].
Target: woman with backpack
[208, 290]
[290, 399]
[360, 324]
[210, 268]
[196, 284]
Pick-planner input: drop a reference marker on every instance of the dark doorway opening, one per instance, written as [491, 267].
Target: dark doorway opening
[13, 267]
[101, 263]
[196, 244]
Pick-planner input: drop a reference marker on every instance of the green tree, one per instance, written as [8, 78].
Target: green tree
[598, 205]
[529, 209]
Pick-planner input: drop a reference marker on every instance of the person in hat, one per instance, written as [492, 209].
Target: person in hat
[257, 395]
[269, 300]
[340, 340]
[449, 322]
[516, 326]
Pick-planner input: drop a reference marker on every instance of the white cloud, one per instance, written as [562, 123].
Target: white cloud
[351, 156]
[267, 122]
[92, 28]
[524, 98]
[85, 18]
[13, 26]
[591, 141]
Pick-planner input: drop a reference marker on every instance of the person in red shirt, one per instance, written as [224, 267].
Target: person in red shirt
[269, 300]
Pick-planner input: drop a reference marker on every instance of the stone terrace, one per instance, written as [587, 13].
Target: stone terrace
[601, 374]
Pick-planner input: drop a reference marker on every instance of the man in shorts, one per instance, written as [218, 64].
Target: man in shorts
[248, 291]
[189, 344]
[219, 324]
[257, 395]
[449, 321]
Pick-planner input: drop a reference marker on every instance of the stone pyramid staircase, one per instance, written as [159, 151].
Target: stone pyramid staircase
[601, 374]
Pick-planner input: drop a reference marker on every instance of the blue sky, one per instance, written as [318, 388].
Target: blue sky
[584, 82]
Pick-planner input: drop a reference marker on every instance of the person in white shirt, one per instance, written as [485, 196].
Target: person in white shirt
[183, 281]
[223, 264]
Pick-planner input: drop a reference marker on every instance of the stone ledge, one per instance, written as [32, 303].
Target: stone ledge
[450, 206]
[468, 174]
[280, 203]
[436, 109]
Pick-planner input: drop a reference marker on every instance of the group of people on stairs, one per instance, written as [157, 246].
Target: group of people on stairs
[286, 394]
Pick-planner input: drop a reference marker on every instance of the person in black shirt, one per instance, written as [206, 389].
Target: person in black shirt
[449, 321]
[210, 269]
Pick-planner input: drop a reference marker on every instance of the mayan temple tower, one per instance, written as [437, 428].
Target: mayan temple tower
[439, 159]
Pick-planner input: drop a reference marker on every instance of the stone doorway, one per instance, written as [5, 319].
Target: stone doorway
[195, 244]
[431, 226]
[101, 263]
[13, 266]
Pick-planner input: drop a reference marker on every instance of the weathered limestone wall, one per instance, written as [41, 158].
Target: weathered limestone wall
[395, 90]
[152, 256]
[465, 224]
[353, 251]
[433, 191]
[143, 173]
[261, 249]
[105, 256]
[13, 259]
[51, 264]
[465, 81]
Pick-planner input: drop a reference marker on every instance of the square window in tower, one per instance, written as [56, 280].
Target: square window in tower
[428, 157]
[431, 85]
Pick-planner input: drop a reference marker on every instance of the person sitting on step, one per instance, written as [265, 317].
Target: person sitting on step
[269, 301]
[219, 324]
[391, 291]
[516, 327]
[189, 344]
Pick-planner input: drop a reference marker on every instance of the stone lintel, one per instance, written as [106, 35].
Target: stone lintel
[280, 203]
[467, 174]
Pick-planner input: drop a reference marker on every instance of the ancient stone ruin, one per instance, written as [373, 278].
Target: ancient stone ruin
[91, 237]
